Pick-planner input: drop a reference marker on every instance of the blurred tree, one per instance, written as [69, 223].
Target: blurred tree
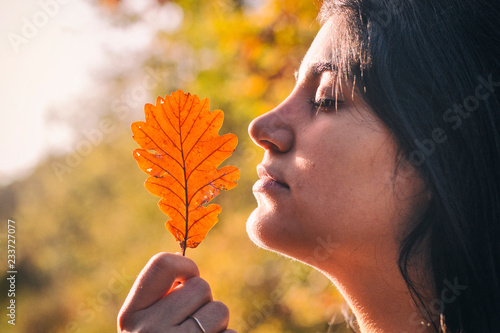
[87, 225]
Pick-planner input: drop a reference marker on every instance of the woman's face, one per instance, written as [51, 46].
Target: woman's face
[327, 184]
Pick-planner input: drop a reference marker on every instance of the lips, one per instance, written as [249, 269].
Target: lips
[268, 181]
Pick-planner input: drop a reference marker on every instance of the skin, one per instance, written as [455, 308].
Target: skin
[341, 207]
[167, 291]
[328, 195]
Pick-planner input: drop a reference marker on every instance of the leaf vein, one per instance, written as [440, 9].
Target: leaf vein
[175, 145]
[192, 126]
[160, 148]
[209, 184]
[213, 152]
[198, 220]
[202, 134]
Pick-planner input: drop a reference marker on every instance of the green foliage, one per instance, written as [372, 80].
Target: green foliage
[85, 231]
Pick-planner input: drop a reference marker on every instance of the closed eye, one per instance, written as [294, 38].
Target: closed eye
[325, 104]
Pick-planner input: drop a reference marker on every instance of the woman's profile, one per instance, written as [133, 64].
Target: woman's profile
[389, 147]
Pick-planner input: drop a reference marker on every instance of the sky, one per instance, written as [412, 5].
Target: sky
[49, 50]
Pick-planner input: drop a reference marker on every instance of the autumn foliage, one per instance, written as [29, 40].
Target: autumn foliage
[181, 151]
[84, 239]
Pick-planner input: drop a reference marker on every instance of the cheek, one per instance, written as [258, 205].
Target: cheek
[347, 191]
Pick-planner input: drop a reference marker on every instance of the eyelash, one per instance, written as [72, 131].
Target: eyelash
[325, 104]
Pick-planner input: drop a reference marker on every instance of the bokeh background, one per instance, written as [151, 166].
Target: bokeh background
[74, 76]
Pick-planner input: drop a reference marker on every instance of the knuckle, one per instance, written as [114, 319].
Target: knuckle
[199, 284]
[125, 322]
[220, 308]
[171, 262]
[162, 261]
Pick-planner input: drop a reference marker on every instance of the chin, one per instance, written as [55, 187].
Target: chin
[269, 233]
[255, 230]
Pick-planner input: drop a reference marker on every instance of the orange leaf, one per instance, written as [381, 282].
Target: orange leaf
[181, 152]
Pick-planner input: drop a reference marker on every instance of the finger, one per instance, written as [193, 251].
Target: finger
[157, 278]
[186, 299]
[214, 317]
[171, 310]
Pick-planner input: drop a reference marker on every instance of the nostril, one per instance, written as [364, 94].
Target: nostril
[271, 132]
[268, 145]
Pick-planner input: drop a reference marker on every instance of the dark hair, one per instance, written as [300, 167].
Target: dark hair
[431, 72]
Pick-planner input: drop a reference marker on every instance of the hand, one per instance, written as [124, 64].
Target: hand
[165, 294]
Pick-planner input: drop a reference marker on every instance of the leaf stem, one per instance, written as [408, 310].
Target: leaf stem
[185, 182]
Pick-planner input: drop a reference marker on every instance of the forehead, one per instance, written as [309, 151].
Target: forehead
[320, 56]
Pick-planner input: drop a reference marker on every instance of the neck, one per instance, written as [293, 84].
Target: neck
[377, 294]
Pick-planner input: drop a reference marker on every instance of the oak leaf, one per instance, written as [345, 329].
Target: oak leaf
[181, 151]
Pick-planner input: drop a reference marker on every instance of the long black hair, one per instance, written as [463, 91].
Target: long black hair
[431, 71]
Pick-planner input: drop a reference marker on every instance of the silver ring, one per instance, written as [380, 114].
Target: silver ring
[199, 324]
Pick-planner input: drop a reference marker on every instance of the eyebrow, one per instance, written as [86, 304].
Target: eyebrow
[316, 69]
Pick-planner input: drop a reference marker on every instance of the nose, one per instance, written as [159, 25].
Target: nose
[272, 132]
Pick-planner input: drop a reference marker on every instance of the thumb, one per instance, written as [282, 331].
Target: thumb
[157, 279]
